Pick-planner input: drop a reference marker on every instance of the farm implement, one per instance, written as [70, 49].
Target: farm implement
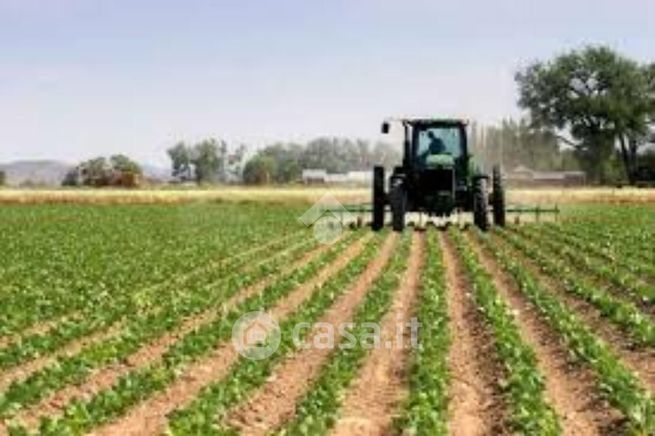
[361, 214]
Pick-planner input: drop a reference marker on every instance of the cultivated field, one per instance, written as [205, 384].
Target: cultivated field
[119, 320]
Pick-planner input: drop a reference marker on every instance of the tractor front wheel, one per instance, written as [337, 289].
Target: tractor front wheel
[480, 202]
[378, 198]
[498, 197]
[398, 200]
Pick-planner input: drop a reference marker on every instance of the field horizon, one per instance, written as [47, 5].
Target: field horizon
[303, 195]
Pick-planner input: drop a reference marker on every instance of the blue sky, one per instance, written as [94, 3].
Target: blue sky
[79, 78]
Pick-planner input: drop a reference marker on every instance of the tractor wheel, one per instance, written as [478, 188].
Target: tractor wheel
[378, 198]
[498, 197]
[480, 202]
[398, 200]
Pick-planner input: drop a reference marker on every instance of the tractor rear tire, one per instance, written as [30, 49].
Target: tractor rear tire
[498, 197]
[480, 203]
[378, 198]
[398, 200]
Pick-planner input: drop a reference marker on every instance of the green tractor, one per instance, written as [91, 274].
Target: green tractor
[437, 177]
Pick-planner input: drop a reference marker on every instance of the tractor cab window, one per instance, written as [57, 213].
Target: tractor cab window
[438, 141]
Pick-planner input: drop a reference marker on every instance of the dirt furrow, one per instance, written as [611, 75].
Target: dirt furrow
[372, 401]
[274, 403]
[150, 417]
[570, 388]
[476, 404]
[640, 360]
[107, 376]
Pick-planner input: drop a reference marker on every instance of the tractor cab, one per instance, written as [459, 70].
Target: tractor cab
[436, 176]
[435, 144]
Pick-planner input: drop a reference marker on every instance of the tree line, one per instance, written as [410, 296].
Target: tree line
[284, 162]
[211, 160]
[591, 109]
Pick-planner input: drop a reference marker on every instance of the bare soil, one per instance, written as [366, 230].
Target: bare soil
[373, 400]
[476, 403]
[274, 403]
[570, 388]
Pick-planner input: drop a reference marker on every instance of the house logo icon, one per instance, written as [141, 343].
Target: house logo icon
[256, 335]
[327, 217]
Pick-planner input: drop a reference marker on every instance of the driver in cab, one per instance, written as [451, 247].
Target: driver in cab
[435, 150]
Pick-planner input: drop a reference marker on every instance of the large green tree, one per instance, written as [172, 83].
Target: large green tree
[594, 99]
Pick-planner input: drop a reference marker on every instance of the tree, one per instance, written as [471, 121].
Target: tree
[260, 170]
[95, 172]
[124, 171]
[288, 161]
[122, 163]
[208, 159]
[118, 170]
[3, 178]
[180, 156]
[592, 99]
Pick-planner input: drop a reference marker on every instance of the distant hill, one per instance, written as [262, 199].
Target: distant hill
[36, 172]
[52, 172]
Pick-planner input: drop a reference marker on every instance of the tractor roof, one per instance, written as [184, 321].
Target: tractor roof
[433, 121]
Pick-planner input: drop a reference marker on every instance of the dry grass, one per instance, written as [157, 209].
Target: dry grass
[547, 196]
[581, 195]
[301, 195]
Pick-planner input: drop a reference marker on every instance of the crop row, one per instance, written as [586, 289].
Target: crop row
[74, 266]
[204, 415]
[99, 245]
[608, 272]
[318, 410]
[530, 413]
[140, 330]
[425, 411]
[627, 231]
[146, 304]
[139, 384]
[620, 386]
[623, 313]
[588, 242]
